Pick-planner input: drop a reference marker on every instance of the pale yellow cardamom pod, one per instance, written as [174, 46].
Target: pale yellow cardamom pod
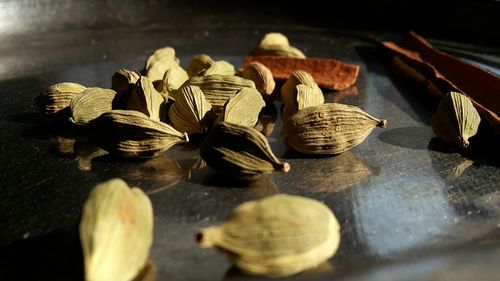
[173, 79]
[262, 77]
[219, 88]
[277, 44]
[90, 104]
[130, 133]
[243, 108]
[57, 97]
[220, 67]
[159, 62]
[239, 151]
[289, 88]
[124, 80]
[276, 236]
[304, 96]
[330, 128]
[116, 231]
[146, 99]
[456, 119]
[198, 64]
[187, 112]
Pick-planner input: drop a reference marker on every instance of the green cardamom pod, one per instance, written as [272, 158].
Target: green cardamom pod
[130, 133]
[116, 231]
[58, 97]
[221, 67]
[187, 112]
[456, 119]
[243, 108]
[330, 128]
[198, 64]
[277, 44]
[90, 104]
[276, 236]
[124, 80]
[239, 151]
[304, 96]
[146, 99]
[173, 79]
[289, 88]
[159, 62]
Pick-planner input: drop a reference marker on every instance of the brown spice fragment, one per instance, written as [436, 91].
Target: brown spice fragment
[448, 73]
[328, 73]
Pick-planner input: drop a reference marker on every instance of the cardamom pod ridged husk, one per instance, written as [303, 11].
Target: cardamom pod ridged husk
[57, 97]
[330, 128]
[289, 88]
[160, 61]
[173, 79]
[146, 99]
[123, 81]
[90, 104]
[116, 231]
[187, 112]
[198, 64]
[304, 96]
[243, 108]
[262, 77]
[130, 133]
[220, 67]
[239, 151]
[219, 88]
[277, 44]
[456, 119]
[276, 236]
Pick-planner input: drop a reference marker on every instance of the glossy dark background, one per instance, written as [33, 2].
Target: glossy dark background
[411, 207]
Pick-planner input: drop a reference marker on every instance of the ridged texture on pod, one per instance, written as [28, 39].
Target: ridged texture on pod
[289, 88]
[243, 108]
[330, 128]
[276, 236]
[219, 88]
[262, 77]
[129, 133]
[146, 99]
[90, 104]
[304, 96]
[116, 231]
[239, 151]
[198, 64]
[277, 44]
[161, 60]
[58, 97]
[188, 110]
[456, 119]
[173, 79]
[220, 67]
[123, 80]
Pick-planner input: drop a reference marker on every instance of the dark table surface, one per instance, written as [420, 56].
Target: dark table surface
[410, 207]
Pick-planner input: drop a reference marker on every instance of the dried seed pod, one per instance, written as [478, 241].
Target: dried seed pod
[90, 104]
[243, 108]
[189, 109]
[124, 80]
[330, 128]
[276, 236]
[289, 88]
[173, 79]
[277, 44]
[262, 77]
[116, 231]
[198, 64]
[146, 99]
[159, 62]
[239, 151]
[456, 119]
[219, 88]
[129, 133]
[220, 67]
[58, 97]
[305, 96]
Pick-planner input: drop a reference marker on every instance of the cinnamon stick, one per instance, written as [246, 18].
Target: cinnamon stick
[328, 73]
[448, 73]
